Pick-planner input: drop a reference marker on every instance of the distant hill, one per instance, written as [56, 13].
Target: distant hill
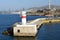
[45, 7]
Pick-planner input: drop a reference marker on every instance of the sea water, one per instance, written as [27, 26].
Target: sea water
[49, 31]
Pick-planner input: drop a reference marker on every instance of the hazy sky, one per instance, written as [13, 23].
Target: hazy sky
[19, 4]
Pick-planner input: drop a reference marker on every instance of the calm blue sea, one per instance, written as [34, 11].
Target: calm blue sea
[49, 31]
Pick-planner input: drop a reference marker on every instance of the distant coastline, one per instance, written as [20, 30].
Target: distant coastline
[37, 11]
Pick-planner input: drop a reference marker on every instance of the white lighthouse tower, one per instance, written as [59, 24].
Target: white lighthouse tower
[23, 17]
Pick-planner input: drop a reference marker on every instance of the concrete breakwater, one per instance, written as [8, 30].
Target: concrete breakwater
[38, 22]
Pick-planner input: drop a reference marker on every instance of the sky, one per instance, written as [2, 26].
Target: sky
[20, 4]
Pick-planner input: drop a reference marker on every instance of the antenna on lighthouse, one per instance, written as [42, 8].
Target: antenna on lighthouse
[49, 4]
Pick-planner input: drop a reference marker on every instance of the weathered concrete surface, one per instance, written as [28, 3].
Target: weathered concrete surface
[25, 30]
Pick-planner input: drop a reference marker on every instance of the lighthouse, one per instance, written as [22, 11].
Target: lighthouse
[24, 29]
[23, 17]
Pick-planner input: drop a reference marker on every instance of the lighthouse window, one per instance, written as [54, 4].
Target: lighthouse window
[18, 30]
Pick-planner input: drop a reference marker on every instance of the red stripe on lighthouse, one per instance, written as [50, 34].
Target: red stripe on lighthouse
[23, 17]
